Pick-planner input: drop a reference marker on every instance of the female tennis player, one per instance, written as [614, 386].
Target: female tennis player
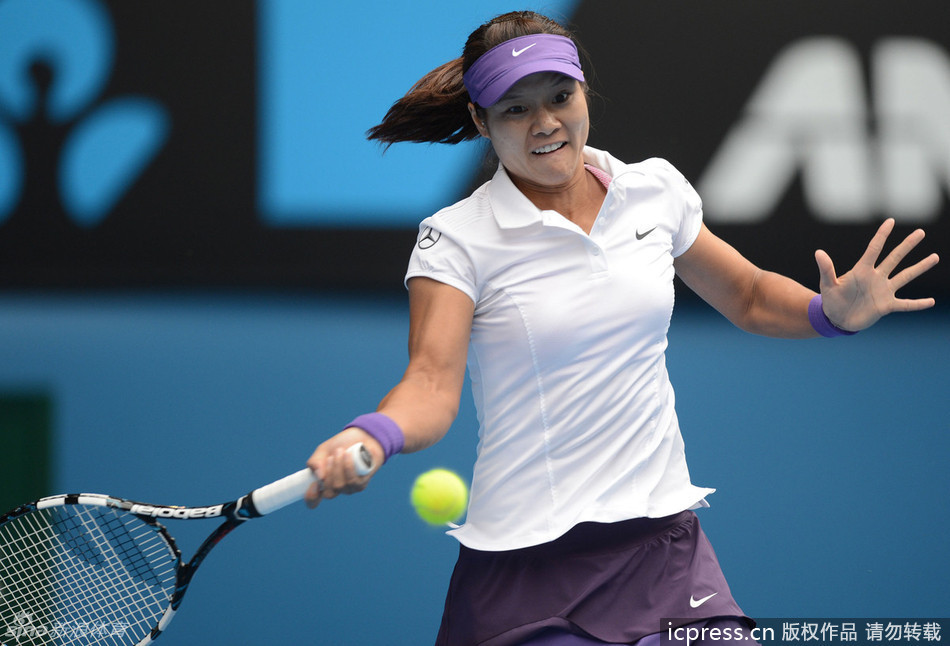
[553, 283]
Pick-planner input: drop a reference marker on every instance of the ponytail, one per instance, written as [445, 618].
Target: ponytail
[435, 110]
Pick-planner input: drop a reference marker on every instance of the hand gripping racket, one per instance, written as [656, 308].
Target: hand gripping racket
[92, 569]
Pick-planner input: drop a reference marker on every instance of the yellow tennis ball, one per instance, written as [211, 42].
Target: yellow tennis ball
[440, 496]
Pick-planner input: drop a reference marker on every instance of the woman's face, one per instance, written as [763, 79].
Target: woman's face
[539, 129]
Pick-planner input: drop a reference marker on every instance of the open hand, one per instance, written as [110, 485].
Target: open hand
[857, 299]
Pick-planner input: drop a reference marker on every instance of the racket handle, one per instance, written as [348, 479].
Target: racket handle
[292, 488]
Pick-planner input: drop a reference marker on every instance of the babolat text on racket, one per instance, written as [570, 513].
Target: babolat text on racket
[89, 569]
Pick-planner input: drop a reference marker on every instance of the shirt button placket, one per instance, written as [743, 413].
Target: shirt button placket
[598, 259]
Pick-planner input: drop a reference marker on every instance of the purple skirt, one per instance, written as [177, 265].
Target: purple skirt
[611, 581]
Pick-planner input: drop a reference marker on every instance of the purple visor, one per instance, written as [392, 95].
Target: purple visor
[502, 66]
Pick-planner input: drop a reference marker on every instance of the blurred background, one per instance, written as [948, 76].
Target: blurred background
[201, 263]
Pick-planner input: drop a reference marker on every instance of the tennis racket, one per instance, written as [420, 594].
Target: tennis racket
[84, 569]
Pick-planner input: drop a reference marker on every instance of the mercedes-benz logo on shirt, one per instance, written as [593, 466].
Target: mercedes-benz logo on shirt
[429, 237]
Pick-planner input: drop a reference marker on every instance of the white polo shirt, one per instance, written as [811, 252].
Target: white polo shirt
[566, 359]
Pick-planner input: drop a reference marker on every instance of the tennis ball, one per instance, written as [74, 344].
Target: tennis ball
[440, 496]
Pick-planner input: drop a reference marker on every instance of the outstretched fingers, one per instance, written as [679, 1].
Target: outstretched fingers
[897, 255]
[912, 304]
[876, 246]
[868, 291]
[909, 274]
[827, 275]
[913, 272]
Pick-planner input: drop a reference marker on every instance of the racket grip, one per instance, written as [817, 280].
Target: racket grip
[292, 488]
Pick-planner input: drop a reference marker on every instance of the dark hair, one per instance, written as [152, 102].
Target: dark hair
[435, 110]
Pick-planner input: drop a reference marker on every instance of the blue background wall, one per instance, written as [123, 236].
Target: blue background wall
[829, 455]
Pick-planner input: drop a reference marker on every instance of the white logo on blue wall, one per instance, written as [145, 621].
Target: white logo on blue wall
[55, 59]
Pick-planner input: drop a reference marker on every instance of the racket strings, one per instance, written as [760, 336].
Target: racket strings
[120, 551]
[78, 574]
[57, 583]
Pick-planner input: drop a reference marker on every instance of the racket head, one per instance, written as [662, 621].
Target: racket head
[81, 569]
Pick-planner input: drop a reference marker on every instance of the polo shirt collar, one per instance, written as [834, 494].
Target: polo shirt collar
[513, 210]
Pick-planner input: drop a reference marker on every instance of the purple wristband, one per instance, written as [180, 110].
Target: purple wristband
[820, 321]
[384, 430]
